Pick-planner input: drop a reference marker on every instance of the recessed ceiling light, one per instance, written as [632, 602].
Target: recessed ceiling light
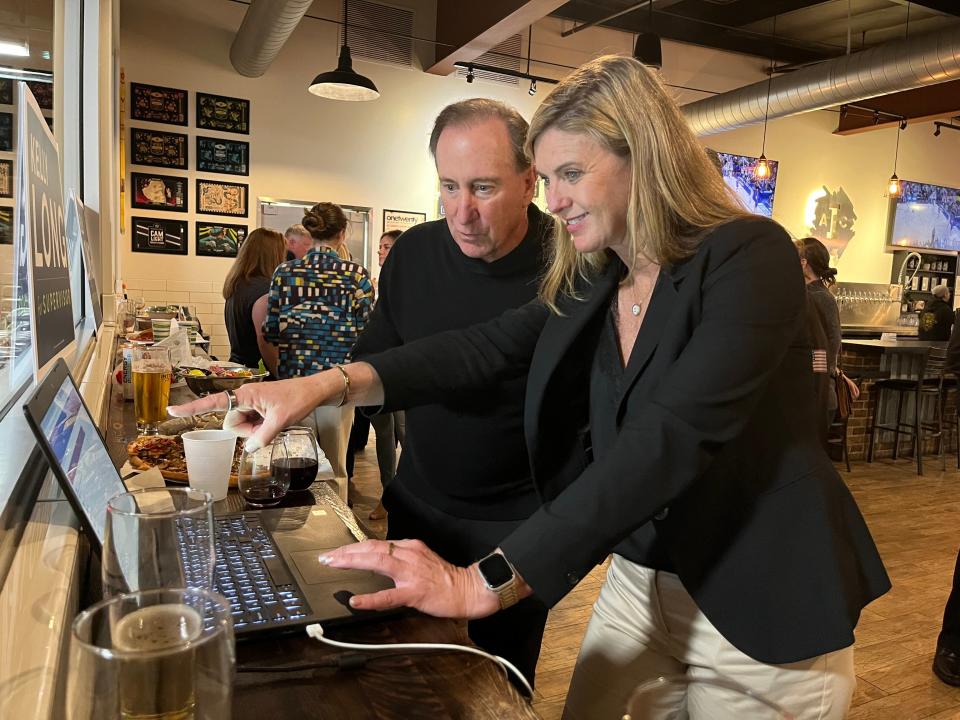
[17, 49]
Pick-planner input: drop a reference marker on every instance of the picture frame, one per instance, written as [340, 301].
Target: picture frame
[215, 197]
[158, 235]
[219, 239]
[6, 91]
[6, 178]
[156, 148]
[401, 220]
[155, 103]
[6, 226]
[153, 191]
[229, 157]
[6, 131]
[223, 113]
[42, 93]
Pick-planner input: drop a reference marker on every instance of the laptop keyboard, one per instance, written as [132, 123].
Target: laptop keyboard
[251, 575]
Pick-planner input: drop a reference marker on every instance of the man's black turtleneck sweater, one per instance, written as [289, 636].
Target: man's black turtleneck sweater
[466, 456]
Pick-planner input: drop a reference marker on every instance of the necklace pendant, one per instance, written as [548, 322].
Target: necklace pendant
[635, 309]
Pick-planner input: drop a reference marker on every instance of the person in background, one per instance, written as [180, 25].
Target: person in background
[298, 241]
[247, 281]
[825, 320]
[669, 421]
[316, 308]
[936, 319]
[389, 427]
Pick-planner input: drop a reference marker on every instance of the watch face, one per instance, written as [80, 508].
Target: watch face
[495, 570]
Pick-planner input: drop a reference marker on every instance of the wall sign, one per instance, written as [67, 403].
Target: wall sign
[42, 93]
[158, 104]
[6, 226]
[6, 178]
[6, 131]
[6, 91]
[160, 149]
[221, 198]
[152, 191]
[231, 157]
[227, 114]
[219, 240]
[41, 194]
[401, 220]
[156, 235]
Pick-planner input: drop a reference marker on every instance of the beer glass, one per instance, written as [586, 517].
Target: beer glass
[151, 387]
[156, 538]
[157, 654]
[296, 457]
[699, 697]
[257, 482]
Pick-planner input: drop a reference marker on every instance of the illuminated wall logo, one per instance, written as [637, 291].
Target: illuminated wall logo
[830, 217]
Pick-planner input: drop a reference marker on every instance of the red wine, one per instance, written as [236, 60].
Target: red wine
[301, 472]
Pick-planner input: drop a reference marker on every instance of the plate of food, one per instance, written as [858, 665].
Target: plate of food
[218, 377]
[165, 452]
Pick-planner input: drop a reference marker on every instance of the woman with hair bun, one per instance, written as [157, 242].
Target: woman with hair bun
[317, 307]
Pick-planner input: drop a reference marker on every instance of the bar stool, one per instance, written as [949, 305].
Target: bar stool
[919, 377]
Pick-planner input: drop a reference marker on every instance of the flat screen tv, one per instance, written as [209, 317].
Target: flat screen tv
[924, 216]
[756, 195]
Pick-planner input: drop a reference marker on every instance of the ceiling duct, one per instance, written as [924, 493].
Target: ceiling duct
[263, 32]
[889, 68]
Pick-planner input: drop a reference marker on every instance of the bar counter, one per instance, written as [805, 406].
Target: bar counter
[866, 361]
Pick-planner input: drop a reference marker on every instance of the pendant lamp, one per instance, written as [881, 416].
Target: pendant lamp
[761, 171]
[344, 83]
[893, 184]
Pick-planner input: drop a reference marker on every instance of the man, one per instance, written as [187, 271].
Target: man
[298, 241]
[463, 481]
[937, 317]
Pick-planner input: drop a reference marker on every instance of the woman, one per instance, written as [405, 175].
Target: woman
[248, 281]
[668, 418]
[316, 308]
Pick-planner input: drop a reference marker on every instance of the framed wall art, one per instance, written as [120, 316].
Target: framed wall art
[231, 157]
[155, 235]
[6, 226]
[220, 240]
[158, 192]
[6, 178]
[221, 198]
[6, 91]
[228, 114]
[42, 93]
[6, 131]
[158, 104]
[159, 149]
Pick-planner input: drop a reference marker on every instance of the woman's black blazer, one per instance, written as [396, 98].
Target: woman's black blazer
[716, 446]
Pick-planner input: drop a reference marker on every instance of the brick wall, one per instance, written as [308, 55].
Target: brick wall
[203, 295]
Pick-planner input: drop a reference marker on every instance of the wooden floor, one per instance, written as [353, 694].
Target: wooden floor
[916, 523]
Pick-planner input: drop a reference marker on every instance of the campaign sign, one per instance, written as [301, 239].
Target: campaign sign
[51, 306]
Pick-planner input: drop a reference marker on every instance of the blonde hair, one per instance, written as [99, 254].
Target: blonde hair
[258, 257]
[676, 194]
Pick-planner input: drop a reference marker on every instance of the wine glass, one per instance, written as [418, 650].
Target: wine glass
[256, 480]
[158, 537]
[296, 456]
[674, 696]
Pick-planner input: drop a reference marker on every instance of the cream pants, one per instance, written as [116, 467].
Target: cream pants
[645, 625]
[332, 425]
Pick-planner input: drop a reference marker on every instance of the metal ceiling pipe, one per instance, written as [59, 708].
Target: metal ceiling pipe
[263, 32]
[889, 68]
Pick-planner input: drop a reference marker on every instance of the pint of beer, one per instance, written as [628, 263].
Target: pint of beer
[151, 387]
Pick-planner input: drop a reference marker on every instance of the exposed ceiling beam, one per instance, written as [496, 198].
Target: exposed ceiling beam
[740, 13]
[706, 34]
[472, 28]
[919, 105]
[946, 7]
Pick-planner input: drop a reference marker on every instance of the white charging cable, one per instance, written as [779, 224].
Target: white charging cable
[316, 632]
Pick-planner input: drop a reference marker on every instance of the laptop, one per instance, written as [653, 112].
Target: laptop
[266, 560]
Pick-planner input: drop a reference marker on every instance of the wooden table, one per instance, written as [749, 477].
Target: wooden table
[404, 687]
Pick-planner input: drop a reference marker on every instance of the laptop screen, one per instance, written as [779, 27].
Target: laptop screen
[76, 446]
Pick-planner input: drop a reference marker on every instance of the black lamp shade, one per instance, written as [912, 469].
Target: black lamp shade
[344, 83]
[647, 50]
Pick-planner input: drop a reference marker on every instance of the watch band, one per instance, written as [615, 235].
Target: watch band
[508, 594]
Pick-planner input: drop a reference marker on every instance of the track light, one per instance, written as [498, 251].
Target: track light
[761, 170]
[533, 87]
[470, 76]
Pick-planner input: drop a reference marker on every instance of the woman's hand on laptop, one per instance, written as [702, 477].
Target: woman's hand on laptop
[423, 580]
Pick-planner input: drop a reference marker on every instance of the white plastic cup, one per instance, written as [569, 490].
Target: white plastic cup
[209, 459]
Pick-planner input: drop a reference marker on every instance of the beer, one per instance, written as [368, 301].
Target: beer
[151, 395]
[159, 685]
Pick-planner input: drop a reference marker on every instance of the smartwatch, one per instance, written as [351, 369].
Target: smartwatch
[498, 575]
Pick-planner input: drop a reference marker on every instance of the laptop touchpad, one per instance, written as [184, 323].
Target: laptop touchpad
[313, 572]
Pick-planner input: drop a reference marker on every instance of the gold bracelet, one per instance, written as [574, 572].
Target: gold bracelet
[346, 385]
